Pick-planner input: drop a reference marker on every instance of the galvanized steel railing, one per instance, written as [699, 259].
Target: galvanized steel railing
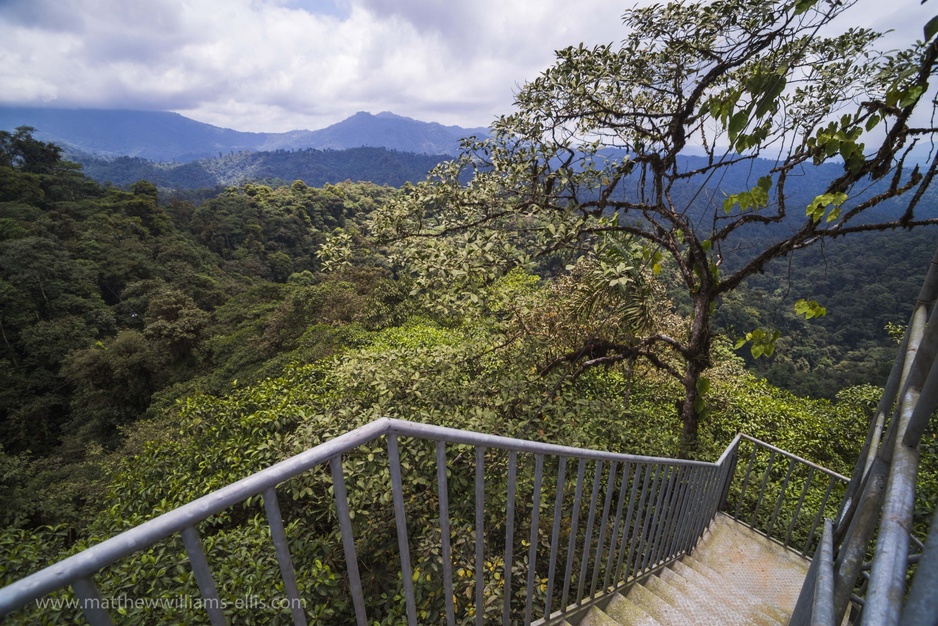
[614, 519]
[781, 495]
[880, 498]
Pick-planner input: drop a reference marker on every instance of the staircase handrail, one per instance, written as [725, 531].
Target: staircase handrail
[674, 512]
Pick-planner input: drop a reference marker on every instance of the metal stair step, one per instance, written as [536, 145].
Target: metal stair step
[701, 568]
[720, 605]
[657, 607]
[748, 600]
[597, 617]
[740, 600]
[695, 613]
[627, 612]
[749, 562]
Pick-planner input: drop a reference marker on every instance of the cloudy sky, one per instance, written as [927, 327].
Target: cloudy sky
[277, 65]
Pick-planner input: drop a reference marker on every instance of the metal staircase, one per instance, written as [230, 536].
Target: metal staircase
[548, 534]
[734, 577]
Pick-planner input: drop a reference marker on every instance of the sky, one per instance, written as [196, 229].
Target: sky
[278, 65]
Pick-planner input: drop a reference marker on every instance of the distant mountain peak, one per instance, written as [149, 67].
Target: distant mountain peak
[166, 136]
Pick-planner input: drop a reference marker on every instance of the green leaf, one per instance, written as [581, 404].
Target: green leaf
[819, 205]
[803, 5]
[809, 309]
[931, 28]
[737, 123]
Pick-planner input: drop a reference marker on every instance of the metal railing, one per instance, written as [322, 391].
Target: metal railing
[781, 495]
[572, 526]
[880, 498]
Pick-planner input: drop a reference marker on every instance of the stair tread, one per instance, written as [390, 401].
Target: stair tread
[597, 617]
[734, 577]
[739, 599]
[657, 607]
[748, 562]
[722, 606]
[625, 611]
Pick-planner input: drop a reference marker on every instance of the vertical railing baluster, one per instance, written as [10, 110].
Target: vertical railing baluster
[348, 540]
[690, 537]
[480, 527]
[613, 544]
[203, 575]
[639, 517]
[626, 541]
[646, 524]
[90, 601]
[651, 537]
[711, 505]
[685, 505]
[781, 497]
[742, 492]
[692, 504]
[574, 522]
[817, 518]
[674, 488]
[282, 549]
[535, 521]
[445, 535]
[675, 513]
[555, 533]
[588, 539]
[765, 482]
[509, 533]
[601, 542]
[794, 519]
[729, 473]
[699, 521]
[400, 520]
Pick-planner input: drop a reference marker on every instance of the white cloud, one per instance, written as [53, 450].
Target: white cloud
[284, 64]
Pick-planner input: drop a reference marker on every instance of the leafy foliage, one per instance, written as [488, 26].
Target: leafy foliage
[598, 145]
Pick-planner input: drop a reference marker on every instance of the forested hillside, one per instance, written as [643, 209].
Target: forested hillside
[316, 168]
[155, 349]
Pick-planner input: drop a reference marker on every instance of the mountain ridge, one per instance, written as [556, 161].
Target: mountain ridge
[164, 136]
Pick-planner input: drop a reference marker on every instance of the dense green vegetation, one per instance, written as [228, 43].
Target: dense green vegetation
[598, 145]
[156, 349]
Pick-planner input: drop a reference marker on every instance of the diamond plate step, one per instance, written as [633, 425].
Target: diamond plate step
[734, 607]
[735, 577]
[750, 563]
[624, 611]
[657, 607]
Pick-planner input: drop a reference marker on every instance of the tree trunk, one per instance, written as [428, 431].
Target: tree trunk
[698, 360]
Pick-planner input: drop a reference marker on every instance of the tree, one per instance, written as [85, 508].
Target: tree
[605, 142]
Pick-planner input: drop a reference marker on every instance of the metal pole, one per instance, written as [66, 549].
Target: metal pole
[509, 533]
[555, 533]
[535, 520]
[348, 540]
[282, 548]
[445, 534]
[203, 575]
[400, 519]
[610, 488]
[480, 524]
